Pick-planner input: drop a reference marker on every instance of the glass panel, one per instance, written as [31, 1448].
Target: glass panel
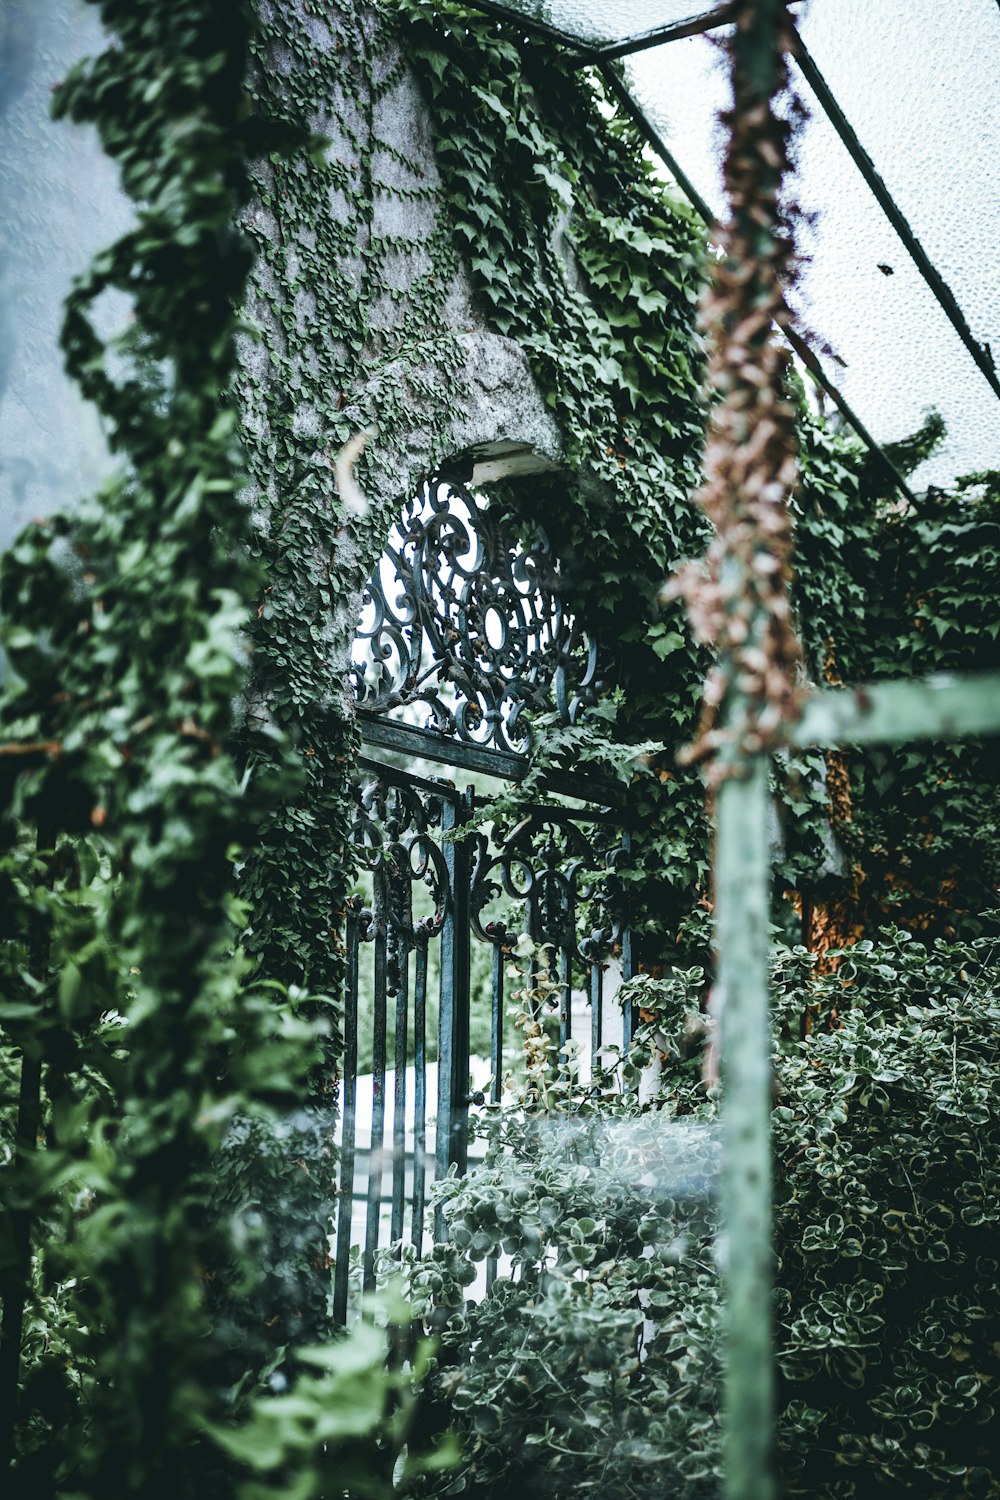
[924, 100]
[888, 345]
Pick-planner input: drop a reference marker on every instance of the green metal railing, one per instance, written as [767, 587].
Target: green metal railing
[743, 611]
[884, 713]
[739, 604]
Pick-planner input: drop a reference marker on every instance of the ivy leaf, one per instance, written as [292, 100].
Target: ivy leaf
[556, 184]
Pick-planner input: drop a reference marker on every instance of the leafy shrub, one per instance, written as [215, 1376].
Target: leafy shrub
[887, 1210]
[594, 1356]
[344, 1426]
[572, 1373]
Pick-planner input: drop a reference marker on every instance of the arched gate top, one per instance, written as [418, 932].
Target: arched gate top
[463, 631]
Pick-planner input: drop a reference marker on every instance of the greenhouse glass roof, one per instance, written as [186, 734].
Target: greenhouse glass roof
[900, 298]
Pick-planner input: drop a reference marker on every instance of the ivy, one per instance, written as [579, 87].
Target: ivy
[887, 590]
[535, 159]
[127, 1000]
[155, 1005]
[318, 314]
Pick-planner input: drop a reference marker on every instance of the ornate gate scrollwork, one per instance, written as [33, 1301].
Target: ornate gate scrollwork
[559, 870]
[461, 623]
[462, 617]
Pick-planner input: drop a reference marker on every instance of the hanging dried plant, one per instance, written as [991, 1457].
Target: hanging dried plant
[737, 596]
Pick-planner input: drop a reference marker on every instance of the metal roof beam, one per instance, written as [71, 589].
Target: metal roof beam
[671, 31]
[585, 52]
[534, 27]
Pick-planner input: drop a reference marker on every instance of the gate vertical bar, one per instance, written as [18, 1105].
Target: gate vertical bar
[453, 1026]
[742, 881]
[565, 1007]
[419, 1090]
[630, 1015]
[348, 1135]
[500, 937]
[596, 1012]
[496, 1016]
[401, 955]
[378, 1090]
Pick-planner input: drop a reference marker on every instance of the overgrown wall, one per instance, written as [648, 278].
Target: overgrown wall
[476, 262]
[483, 254]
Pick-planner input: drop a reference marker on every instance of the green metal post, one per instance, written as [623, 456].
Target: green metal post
[742, 882]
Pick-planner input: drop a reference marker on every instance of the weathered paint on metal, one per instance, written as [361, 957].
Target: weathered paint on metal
[419, 1091]
[742, 887]
[596, 1008]
[453, 1019]
[937, 708]
[378, 1103]
[401, 955]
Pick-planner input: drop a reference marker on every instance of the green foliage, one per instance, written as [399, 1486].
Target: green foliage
[319, 329]
[535, 161]
[590, 1367]
[270, 1285]
[128, 1001]
[888, 1228]
[592, 1363]
[154, 1020]
[346, 1424]
[886, 590]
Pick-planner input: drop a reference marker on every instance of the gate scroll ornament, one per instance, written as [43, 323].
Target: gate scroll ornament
[462, 617]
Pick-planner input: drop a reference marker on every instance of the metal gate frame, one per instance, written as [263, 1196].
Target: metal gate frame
[465, 874]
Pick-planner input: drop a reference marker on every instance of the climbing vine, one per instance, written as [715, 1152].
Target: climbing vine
[125, 796]
[347, 325]
[536, 163]
[533, 158]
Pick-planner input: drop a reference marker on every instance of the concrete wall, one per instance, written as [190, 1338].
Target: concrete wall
[390, 218]
[60, 203]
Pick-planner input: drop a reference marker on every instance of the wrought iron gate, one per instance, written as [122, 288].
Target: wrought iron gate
[462, 626]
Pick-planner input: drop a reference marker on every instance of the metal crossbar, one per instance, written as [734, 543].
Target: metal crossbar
[937, 708]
